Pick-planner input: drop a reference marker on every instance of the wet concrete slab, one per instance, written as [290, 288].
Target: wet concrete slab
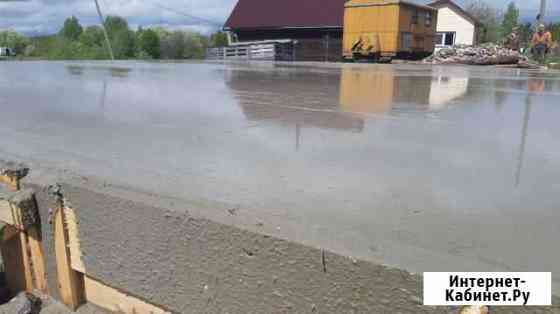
[419, 167]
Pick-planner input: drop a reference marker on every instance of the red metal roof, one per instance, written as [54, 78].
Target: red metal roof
[286, 13]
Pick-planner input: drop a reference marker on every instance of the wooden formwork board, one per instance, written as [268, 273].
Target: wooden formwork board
[116, 301]
[21, 243]
[70, 282]
[37, 259]
[23, 256]
[10, 182]
[18, 272]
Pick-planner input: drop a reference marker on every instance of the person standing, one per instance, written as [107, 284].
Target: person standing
[541, 43]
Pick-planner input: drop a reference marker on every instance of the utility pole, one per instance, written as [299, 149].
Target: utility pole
[107, 41]
[542, 12]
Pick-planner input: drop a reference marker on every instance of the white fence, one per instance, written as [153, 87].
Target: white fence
[275, 51]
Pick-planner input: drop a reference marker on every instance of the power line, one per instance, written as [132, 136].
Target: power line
[196, 18]
[107, 41]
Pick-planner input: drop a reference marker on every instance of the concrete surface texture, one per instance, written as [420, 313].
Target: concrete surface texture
[188, 264]
[422, 168]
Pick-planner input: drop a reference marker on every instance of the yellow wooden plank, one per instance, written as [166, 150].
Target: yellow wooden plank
[116, 301]
[6, 213]
[27, 275]
[9, 182]
[70, 282]
[76, 260]
[38, 259]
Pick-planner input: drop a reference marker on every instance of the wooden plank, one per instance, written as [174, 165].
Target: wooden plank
[70, 282]
[18, 209]
[37, 259]
[6, 213]
[28, 277]
[11, 173]
[13, 262]
[11, 183]
[116, 301]
[76, 261]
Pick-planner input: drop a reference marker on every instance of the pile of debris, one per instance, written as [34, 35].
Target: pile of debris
[487, 54]
[23, 303]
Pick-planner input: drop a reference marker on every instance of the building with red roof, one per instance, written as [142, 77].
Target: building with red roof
[314, 25]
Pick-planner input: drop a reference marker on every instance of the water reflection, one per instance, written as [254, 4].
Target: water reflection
[285, 100]
[445, 89]
[535, 85]
[334, 101]
[113, 71]
[75, 69]
[103, 96]
[381, 92]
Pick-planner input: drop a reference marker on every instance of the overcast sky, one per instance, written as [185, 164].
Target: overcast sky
[46, 16]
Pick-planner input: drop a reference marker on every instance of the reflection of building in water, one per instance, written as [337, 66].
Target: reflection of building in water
[445, 89]
[294, 99]
[366, 91]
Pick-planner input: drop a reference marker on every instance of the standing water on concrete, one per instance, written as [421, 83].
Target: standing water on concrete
[424, 168]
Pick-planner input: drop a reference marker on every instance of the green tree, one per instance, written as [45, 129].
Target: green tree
[555, 31]
[489, 17]
[121, 37]
[148, 43]
[219, 39]
[71, 29]
[195, 46]
[92, 36]
[172, 44]
[525, 34]
[511, 18]
[14, 40]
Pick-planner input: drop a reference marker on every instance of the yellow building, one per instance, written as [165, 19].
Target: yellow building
[383, 29]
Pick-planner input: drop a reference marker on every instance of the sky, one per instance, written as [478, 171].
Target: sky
[39, 17]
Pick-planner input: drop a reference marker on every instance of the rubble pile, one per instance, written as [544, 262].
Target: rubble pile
[488, 54]
[23, 303]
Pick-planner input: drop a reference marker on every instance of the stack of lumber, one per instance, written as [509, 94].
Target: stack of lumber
[488, 54]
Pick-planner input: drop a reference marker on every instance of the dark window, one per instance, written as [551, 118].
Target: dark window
[449, 39]
[406, 41]
[428, 18]
[415, 16]
[445, 39]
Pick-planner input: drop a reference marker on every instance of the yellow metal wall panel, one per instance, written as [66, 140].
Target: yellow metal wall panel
[381, 21]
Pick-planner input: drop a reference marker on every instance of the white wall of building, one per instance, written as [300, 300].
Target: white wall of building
[451, 21]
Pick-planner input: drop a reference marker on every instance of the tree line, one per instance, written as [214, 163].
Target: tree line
[497, 24]
[74, 41]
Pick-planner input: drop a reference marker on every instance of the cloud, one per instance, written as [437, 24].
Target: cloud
[47, 16]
